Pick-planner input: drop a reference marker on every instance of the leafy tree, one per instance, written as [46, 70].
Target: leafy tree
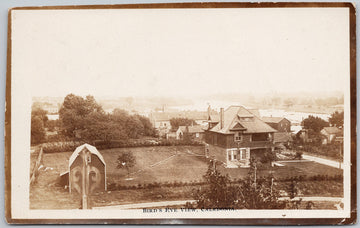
[337, 119]
[149, 130]
[131, 126]
[268, 157]
[314, 123]
[219, 193]
[37, 130]
[126, 160]
[176, 122]
[41, 113]
[75, 113]
[52, 124]
[85, 118]
[251, 193]
[38, 121]
[134, 127]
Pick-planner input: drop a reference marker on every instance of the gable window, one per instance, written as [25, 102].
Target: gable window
[238, 137]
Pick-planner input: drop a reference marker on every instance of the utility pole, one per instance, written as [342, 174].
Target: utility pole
[340, 141]
[255, 174]
[86, 156]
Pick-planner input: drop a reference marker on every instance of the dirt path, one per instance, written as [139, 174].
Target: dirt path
[323, 161]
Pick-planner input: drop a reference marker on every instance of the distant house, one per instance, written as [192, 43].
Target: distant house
[195, 132]
[238, 135]
[330, 134]
[281, 124]
[161, 120]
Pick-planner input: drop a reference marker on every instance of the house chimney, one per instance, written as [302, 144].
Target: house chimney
[221, 118]
[209, 112]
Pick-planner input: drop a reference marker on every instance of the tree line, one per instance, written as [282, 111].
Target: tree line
[85, 119]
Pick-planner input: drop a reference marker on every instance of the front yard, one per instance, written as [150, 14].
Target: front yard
[162, 164]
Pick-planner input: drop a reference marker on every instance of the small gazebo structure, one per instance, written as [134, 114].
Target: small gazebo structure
[87, 170]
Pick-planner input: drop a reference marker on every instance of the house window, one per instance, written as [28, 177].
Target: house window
[242, 154]
[238, 137]
[197, 135]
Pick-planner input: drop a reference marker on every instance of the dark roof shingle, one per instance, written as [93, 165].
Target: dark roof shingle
[238, 114]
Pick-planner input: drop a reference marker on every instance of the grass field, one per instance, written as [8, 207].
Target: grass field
[157, 164]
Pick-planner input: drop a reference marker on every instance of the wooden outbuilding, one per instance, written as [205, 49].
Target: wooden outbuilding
[87, 169]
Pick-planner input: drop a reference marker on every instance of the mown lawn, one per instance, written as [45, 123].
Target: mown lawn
[157, 164]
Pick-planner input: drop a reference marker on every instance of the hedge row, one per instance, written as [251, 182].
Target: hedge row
[53, 147]
[115, 187]
[319, 177]
[332, 150]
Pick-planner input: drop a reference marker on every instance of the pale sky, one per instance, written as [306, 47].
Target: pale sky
[180, 52]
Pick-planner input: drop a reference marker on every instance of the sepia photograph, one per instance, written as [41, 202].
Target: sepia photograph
[182, 112]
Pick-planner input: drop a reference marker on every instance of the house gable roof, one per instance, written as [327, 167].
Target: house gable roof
[90, 148]
[249, 121]
[255, 112]
[272, 119]
[192, 129]
[332, 130]
[237, 126]
[214, 118]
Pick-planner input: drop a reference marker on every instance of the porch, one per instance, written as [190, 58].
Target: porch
[238, 157]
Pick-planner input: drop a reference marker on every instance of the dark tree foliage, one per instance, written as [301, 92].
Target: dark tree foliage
[85, 118]
[131, 126]
[314, 123]
[268, 157]
[76, 113]
[176, 122]
[41, 113]
[38, 121]
[253, 192]
[37, 130]
[149, 130]
[219, 193]
[126, 160]
[52, 125]
[337, 119]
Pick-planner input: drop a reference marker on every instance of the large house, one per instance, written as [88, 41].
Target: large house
[280, 124]
[238, 135]
[283, 126]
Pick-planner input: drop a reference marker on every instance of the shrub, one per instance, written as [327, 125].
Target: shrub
[53, 147]
[298, 155]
